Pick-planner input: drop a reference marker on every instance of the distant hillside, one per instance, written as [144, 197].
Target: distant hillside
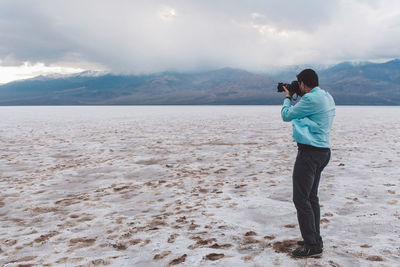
[366, 84]
[362, 84]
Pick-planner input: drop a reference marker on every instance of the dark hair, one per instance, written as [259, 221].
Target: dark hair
[308, 77]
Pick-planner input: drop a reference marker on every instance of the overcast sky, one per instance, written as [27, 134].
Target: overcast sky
[186, 35]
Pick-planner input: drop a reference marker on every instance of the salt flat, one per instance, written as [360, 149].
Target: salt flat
[190, 185]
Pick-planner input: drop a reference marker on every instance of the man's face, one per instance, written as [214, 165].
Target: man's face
[302, 87]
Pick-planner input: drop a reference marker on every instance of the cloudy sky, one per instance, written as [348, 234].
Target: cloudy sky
[128, 36]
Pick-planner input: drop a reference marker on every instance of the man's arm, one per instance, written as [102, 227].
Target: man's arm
[302, 109]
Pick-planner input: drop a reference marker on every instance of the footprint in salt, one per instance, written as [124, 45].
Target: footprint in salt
[324, 220]
[214, 256]
[217, 191]
[67, 202]
[178, 260]
[97, 262]
[374, 258]
[23, 259]
[238, 186]
[85, 218]
[135, 241]
[39, 192]
[223, 246]
[248, 242]
[290, 226]
[172, 238]
[285, 246]
[201, 242]
[182, 220]
[62, 260]
[76, 243]
[161, 255]
[45, 237]
[250, 233]
[121, 188]
[270, 237]
[10, 242]
[120, 246]
[365, 246]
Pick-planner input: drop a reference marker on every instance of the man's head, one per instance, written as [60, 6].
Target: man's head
[307, 79]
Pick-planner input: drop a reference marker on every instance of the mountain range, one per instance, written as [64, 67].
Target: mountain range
[350, 84]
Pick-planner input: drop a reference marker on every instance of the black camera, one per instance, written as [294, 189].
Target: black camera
[293, 88]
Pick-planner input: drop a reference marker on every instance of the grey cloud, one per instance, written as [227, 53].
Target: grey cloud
[27, 34]
[151, 36]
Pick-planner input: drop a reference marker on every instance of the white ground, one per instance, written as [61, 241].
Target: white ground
[144, 186]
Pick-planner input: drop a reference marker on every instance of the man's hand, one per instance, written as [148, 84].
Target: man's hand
[287, 93]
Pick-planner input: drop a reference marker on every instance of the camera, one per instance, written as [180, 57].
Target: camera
[292, 87]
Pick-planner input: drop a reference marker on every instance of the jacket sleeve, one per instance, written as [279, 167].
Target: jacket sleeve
[302, 109]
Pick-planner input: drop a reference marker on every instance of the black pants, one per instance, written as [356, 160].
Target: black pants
[307, 170]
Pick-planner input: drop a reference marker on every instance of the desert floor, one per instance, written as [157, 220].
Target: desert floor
[190, 186]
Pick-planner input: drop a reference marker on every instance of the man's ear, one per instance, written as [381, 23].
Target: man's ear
[301, 86]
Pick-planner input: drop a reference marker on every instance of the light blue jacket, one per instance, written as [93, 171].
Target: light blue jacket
[311, 117]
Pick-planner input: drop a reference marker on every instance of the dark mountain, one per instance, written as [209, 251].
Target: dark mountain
[365, 84]
[361, 84]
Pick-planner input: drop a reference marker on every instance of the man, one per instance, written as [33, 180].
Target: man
[312, 119]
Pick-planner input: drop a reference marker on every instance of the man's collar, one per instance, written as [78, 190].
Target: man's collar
[316, 88]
